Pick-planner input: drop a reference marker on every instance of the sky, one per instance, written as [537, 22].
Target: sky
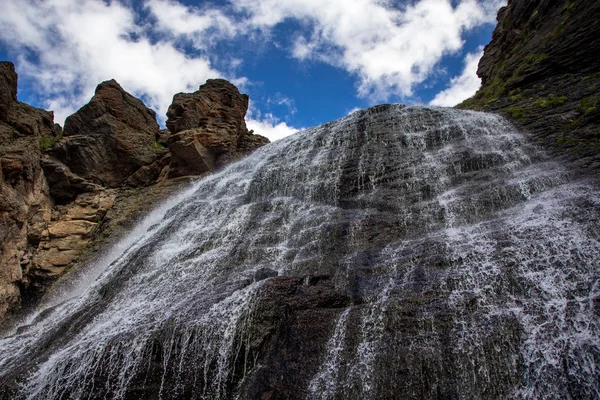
[302, 62]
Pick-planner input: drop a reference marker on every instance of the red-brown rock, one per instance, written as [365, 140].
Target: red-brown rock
[23, 188]
[109, 138]
[208, 128]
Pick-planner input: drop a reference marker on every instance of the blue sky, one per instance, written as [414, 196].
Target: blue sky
[303, 62]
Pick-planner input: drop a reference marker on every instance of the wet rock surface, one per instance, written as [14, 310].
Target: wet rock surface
[435, 253]
[65, 194]
[541, 70]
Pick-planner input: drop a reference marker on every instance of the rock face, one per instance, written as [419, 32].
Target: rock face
[541, 69]
[411, 252]
[208, 128]
[63, 193]
[8, 88]
[24, 202]
[110, 138]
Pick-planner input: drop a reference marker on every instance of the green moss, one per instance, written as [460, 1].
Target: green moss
[550, 101]
[569, 6]
[516, 113]
[593, 89]
[158, 146]
[46, 143]
[486, 95]
[515, 95]
[534, 59]
[587, 105]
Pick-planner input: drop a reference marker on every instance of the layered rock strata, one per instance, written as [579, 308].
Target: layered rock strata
[542, 70]
[65, 194]
[208, 128]
[25, 205]
[110, 138]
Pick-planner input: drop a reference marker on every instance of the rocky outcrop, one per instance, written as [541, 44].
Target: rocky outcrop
[110, 138]
[69, 232]
[64, 184]
[8, 88]
[65, 194]
[542, 70]
[24, 201]
[208, 129]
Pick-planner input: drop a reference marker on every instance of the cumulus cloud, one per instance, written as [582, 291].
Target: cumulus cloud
[267, 124]
[270, 127]
[203, 26]
[68, 47]
[463, 86]
[389, 49]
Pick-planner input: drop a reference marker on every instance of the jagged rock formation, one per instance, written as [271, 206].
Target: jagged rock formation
[24, 203]
[542, 70]
[63, 193]
[208, 128]
[110, 138]
[411, 252]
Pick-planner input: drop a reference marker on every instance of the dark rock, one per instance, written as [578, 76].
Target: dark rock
[148, 174]
[542, 70]
[163, 137]
[110, 138]
[64, 184]
[264, 273]
[208, 128]
[24, 200]
[8, 87]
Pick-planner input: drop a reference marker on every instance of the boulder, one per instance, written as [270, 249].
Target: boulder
[64, 184]
[109, 138]
[208, 128]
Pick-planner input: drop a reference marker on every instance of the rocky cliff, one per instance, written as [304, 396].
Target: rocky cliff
[66, 193]
[25, 205]
[401, 252]
[542, 70]
[208, 128]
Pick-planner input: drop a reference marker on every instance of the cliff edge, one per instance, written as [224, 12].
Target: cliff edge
[542, 70]
[67, 194]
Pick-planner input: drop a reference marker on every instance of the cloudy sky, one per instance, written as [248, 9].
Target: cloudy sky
[303, 62]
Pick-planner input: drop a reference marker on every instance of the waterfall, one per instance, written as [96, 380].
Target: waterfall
[419, 252]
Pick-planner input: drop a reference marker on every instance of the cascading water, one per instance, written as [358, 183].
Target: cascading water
[396, 253]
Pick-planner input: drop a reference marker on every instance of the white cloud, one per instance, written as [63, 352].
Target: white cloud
[202, 26]
[267, 125]
[462, 86]
[67, 47]
[279, 99]
[79, 44]
[390, 50]
[270, 127]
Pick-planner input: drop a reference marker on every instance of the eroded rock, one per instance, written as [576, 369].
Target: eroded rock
[24, 200]
[541, 69]
[208, 128]
[109, 138]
